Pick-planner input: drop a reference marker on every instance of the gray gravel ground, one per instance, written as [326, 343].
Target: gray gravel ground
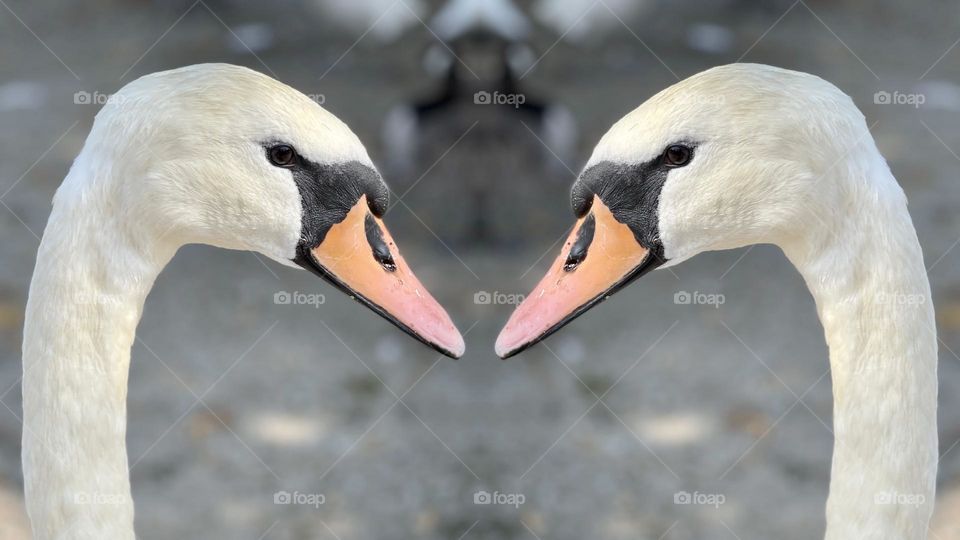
[693, 398]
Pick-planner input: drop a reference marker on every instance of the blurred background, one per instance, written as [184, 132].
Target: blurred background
[245, 386]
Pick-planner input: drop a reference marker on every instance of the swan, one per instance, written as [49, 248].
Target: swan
[213, 154]
[492, 35]
[744, 154]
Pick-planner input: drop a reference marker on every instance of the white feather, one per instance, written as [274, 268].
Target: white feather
[786, 158]
[176, 157]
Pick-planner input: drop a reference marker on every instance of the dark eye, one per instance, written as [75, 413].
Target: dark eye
[282, 155]
[677, 155]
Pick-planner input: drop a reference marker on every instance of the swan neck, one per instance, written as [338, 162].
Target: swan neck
[91, 279]
[866, 274]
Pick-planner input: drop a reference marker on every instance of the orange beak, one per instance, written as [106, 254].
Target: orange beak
[600, 257]
[359, 257]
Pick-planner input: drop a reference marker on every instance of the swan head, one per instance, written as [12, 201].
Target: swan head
[226, 156]
[729, 157]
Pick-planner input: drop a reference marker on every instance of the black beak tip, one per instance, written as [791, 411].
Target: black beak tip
[447, 353]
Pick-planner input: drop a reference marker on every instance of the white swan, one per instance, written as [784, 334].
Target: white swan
[212, 154]
[746, 154]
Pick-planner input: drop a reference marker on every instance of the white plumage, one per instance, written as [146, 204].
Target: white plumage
[786, 158]
[174, 158]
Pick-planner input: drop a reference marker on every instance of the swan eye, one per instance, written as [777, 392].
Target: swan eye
[282, 155]
[677, 155]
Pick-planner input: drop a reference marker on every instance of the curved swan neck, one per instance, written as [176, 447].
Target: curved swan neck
[91, 279]
[865, 270]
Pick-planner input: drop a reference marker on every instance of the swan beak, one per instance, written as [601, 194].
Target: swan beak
[600, 257]
[359, 257]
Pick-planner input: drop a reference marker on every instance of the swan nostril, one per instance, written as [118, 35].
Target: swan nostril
[387, 263]
[381, 252]
[578, 252]
[573, 261]
[383, 256]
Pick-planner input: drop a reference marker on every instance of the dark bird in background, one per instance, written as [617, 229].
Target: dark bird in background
[510, 141]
